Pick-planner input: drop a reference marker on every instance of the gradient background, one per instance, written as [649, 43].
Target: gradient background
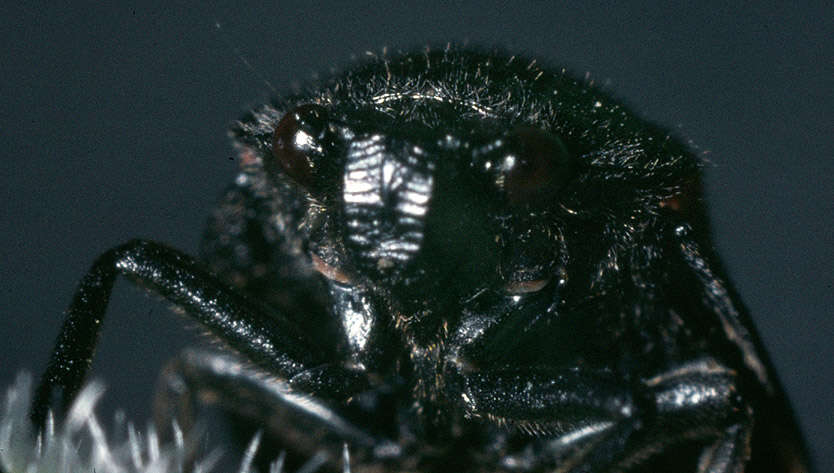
[113, 120]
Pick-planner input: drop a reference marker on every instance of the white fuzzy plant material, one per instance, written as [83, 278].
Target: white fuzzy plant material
[81, 444]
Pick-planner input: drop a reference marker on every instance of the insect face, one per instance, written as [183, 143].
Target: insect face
[459, 258]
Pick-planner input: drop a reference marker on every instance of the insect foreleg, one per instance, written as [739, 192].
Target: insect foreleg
[269, 340]
[596, 424]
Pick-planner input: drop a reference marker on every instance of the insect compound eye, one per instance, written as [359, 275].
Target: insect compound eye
[533, 162]
[300, 144]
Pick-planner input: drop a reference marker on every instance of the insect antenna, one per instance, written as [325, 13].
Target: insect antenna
[225, 37]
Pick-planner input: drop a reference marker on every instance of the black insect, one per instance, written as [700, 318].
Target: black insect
[454, 260]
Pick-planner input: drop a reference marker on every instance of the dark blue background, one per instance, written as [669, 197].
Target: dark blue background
[113, 120]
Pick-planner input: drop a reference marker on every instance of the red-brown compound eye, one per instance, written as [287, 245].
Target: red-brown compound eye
[299, 143]
[535, 162]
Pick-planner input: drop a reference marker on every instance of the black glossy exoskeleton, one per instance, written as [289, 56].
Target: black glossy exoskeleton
[459, 261]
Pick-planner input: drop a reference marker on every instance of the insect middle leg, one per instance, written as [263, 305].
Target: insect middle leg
[308, 425]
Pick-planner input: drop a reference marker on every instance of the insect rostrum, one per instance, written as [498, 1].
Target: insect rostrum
[456, 260]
